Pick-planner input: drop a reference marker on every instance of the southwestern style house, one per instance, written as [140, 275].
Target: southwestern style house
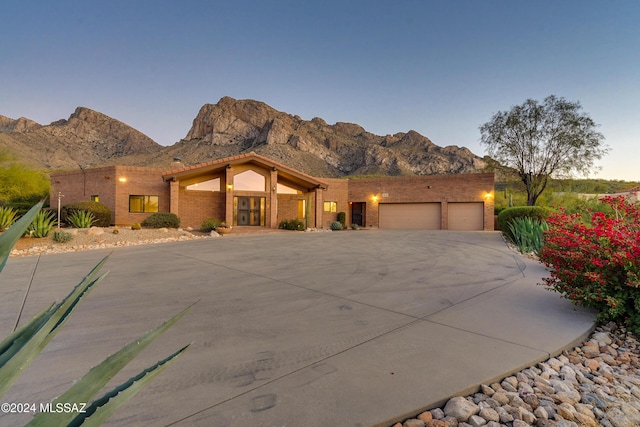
[253, 190]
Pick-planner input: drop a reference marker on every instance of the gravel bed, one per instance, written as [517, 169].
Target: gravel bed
[101, 238]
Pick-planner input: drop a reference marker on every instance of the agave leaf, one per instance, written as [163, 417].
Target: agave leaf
[101, 409]
[11, 344]
[9, 238]
[28, 348]
[90, 384]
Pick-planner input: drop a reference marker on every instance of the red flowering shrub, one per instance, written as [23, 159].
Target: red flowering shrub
[596, 263]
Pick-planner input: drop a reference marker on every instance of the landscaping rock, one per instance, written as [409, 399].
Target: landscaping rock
[597, 384]
[95, 231]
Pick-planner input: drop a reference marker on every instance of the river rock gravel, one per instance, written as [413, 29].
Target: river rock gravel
[594, 384]
[101, 238]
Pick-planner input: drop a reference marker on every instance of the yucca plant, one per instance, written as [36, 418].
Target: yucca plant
[7, 217]
[41, 225]
[528, 233]
[81, 219]
[20, 348]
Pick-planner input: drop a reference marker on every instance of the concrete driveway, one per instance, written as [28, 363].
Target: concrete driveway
[296, 329]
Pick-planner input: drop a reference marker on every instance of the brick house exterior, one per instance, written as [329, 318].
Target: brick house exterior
[252, 190]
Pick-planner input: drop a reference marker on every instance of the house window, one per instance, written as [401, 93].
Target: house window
[249, 181]
[285, 189]
[302, 211]
[331, 206]
[143, 203]
[95, 198]
[210, 185]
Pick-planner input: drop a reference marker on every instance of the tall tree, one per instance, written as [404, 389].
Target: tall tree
[541, 140]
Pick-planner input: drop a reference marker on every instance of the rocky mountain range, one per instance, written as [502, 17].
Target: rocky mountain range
[231, 127]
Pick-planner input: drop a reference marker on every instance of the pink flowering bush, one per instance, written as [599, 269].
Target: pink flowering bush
[596, 262]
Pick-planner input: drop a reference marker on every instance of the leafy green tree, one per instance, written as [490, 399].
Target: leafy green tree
[540, 140]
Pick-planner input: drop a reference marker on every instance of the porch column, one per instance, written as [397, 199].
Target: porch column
[228, 211]
[174, 195]
[273, 199]
[319, 207]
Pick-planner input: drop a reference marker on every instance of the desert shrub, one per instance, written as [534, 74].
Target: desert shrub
[136, 226]
[100, 211]
[508, 215]
[62, 236]
[291, 224]
[528, 233]
[355, 227]
[210, 224]
[81, 219]
[161, 220]
[7, 217]
[597, 263]
[42, 224]
[498, 209]
[336, 225]
[342, 218]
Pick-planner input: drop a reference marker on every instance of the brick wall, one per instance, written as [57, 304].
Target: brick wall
[288, 207]
[138, 181]
[199, 206]
[80, 185]
[105, 182]
[338, 191]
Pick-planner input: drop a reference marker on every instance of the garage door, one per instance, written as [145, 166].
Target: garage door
[466, 216]
[410, 216]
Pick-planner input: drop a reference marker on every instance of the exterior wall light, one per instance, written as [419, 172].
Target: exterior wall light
[229, 187]
[488, 196]
[374, 198]
[122, 179]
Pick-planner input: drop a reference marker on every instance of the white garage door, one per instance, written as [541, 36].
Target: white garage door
[466, 216]
[410, 216]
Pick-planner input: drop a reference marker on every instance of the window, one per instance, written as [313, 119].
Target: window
[143, 203]
[285, 189]
[302, 211]
[331, 206]
[210, 185]
[249, 181]
[95, 198]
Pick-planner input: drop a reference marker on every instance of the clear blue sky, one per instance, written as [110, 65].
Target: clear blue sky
[442, 68]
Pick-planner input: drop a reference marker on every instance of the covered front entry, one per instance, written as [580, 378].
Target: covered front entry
[249, 210]
[410, 216]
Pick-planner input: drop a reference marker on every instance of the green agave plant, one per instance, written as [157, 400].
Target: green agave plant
[82, 219]
[528, 233]
[42, 224]
[7, 217]
[20, 348]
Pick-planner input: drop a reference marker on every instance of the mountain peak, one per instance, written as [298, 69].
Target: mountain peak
[231, 127]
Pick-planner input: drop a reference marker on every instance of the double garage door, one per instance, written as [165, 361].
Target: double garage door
[428, 216]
